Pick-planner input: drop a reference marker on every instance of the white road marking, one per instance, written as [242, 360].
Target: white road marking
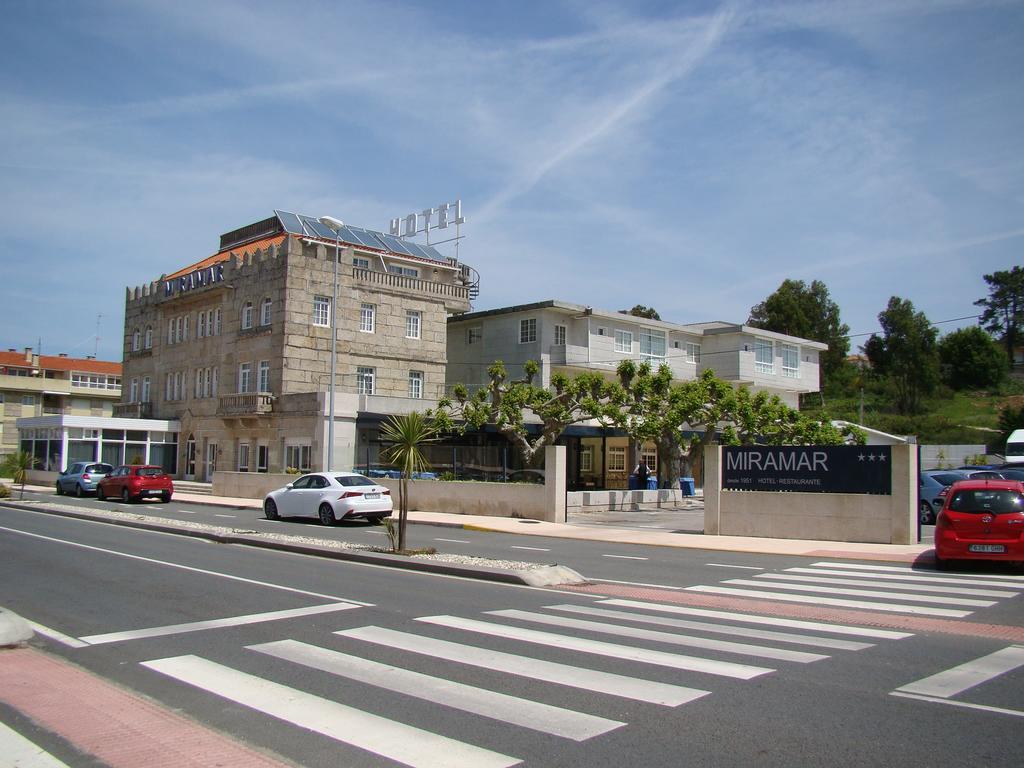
[863, 593]
[944, 589]
[908, 569]
[630, 653]
[231, 621]
[378, 735]
[60, 637]
[19, 752]
[962, 704]
[455, 541]
[626, 557]
[537, 669]
[633, 583]
[761, 634]
[179, 566]
[669, 638]
[911, 578]
[229, 516]
[958, 679]
[565, 723]
[743, 567]
[188, 511]
[838, 629]
[532, 549]
[817, 600]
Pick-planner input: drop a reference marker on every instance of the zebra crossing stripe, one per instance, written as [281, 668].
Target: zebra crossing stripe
[598, 648]
[22, 753]
[761, 634]
[908, 569]
[950, 682]
[765, 652]
[382, 736]
[912, 577]
[933, 588]
[920, 610]
[534, 715]
[863, 593]
[911, 581]
[633, 688]
[772, 621]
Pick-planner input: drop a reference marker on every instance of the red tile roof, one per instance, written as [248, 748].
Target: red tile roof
[255, 245]
[56, 363]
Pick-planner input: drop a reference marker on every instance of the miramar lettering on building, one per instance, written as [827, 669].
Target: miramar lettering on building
[808, 469]
[195, 279]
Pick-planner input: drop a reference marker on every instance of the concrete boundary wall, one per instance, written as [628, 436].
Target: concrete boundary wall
[848, 517]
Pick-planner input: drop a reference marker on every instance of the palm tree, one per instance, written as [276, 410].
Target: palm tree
[406, 435]
[17, 465]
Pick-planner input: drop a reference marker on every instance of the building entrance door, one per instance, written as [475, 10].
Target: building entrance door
[190, 458]
[211, 461]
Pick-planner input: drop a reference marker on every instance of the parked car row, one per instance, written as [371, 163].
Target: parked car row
[330, 496]
[935, 484]
[129, 482]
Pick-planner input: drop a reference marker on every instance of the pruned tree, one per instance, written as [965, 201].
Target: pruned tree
[1003, 314]
[504, 403]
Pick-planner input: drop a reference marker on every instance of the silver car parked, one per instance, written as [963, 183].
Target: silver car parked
[81, 477]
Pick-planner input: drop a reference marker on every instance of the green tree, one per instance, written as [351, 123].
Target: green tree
[905, 356]
[503, 403]
[641, 311]
[971, 359]
[1003, 314]
[406, 435]
[806, 311]
[17, 465]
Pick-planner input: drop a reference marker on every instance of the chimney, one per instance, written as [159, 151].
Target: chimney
[28, 354]
[62, 354]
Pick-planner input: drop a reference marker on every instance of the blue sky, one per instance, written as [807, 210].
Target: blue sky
[687, 156]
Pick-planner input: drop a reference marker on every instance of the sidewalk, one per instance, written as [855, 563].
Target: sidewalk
[611, 533]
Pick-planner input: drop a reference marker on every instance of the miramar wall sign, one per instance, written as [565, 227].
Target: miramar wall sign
[808, 469]
[195, 279]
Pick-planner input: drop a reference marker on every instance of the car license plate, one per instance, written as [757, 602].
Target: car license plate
[986, 548]
[371, 495]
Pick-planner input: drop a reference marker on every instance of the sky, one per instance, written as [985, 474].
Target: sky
[686, 156]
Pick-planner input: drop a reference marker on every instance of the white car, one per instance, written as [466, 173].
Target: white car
[331, 496]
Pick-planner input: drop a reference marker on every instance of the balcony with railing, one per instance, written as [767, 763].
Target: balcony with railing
[245, 404]
[455, 293]
[133, 410]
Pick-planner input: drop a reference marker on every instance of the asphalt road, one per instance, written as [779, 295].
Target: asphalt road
[126, 603]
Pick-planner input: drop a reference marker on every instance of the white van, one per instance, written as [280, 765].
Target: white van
[1015, 447]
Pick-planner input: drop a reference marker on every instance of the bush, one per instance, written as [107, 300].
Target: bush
[292, 471]
[5, 492]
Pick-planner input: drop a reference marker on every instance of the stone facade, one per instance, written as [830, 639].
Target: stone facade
[238, 349]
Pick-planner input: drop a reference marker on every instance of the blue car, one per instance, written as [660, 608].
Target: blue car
[81, 477]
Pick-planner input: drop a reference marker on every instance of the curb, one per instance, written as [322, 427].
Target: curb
[545, 576]
[14, 630]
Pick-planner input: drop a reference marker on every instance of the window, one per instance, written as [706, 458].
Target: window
[149, 337]
[201, 326]
[170, 331]
[264, 376]
[169, 387]
[133, 391]
[364, 380]
[244, 377]
[559, 335]
[185, 337]
[215, 331]
[764, 356]
[179, 333]
[528, 330]
[623, 341]
[297, 457]
[262, 458]
[616, 458]
[28, 399]
[367, 317]
[145, 389]
[266, 310]
[360, 263]
[474, 334]
[416, 384]
[136, 340]
[243, 457]
[650, 458]
[652, 343]
[321, 311]
[397, 269]
[692, 352]
[177, 386]
[413, 320]
[247, 315]
[213, 391]
[587, 458]
[790, 361]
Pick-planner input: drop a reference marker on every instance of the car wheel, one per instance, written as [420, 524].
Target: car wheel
[166, 498]
[99, 493]
[270, 510]
[60, 491]
[327, 514]
[125, 496]
[926, 514]
[79, 492]
[942, 563]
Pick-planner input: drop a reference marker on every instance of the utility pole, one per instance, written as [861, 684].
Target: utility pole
[96, 348]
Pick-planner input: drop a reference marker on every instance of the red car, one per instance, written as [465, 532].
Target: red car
[981, 520]
[133, 482]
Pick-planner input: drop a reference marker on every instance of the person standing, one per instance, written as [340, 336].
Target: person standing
[642, 472]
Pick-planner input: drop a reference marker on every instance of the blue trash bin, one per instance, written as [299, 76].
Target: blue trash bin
[634, 482]
[686, 485]
[652, 483]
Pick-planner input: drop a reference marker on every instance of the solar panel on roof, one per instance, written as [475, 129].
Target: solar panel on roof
[424, 251]
[394, 244]
[365, 237]
[290, 222]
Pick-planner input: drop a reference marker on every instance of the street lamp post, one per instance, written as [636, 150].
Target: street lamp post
[333, 224]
